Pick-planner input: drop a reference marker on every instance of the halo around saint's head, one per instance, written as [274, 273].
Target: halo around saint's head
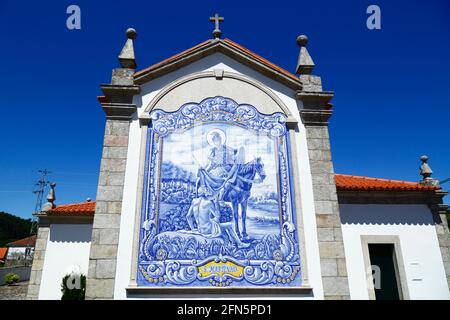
[212, 133]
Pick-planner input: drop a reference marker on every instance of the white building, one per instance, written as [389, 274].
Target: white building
[326, 231]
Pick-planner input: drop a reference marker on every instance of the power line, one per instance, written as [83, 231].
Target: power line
[40, 186]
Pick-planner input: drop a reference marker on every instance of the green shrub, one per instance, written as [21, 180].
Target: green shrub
[73, 287]
[11, 278]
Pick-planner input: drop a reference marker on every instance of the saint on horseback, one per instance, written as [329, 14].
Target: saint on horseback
[228, 177]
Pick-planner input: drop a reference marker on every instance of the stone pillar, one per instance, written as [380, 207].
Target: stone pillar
[329, 232]
[439, 210]
[119, 108]
[443, 234]
[105, 231]
[38, 262]
[315, 112]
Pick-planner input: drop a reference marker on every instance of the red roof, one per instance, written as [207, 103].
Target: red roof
[343, 183]
[357, 183]
[3, 252]
[25, 242]
[262, 60]
[76, 209]
[172, 58]
[210, 43]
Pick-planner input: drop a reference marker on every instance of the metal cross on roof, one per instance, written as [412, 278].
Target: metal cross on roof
[217, 19]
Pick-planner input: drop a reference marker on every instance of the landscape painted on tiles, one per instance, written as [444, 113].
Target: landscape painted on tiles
[217, 205]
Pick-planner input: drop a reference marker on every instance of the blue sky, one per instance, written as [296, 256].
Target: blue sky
[391, 85]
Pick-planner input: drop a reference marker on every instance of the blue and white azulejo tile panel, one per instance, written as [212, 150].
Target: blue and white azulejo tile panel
[218, 204]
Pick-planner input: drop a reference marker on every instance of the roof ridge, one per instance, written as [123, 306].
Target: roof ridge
[173, 57]
[378, 179]
[222, 43]
[73, 204]
[261, 58]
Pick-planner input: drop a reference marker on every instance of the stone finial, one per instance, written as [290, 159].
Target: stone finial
[305, 63]
[426, 172]
[126, 56]
[425, 169]
[51, 197]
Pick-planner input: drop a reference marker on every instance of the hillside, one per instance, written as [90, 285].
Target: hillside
[13, 228]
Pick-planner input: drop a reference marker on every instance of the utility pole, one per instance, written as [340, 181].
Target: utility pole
[40, 186]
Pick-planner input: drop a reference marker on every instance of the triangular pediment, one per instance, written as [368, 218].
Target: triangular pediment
[226, 47]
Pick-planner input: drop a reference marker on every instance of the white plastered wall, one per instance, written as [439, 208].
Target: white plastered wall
[67, 245]
[413, 224]
[148, 92]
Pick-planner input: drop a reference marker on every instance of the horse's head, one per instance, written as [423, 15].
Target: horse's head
[259, 166]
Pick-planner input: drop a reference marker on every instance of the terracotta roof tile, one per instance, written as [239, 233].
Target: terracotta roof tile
[262, 60]
[77, 209]
[343, 183]
[172, 58]
[358, 183]
[3, 252]
[227, 41]
[25, 242]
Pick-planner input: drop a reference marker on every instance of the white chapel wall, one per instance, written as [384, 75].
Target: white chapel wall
[68, 245]
[413, 224]
[148, 92]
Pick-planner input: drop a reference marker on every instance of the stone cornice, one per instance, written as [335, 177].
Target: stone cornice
[314, 100]
[119, 111]
[311, 117]
[118, 100]
[117, 93]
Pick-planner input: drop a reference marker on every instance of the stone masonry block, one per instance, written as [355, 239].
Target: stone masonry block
[109, 236]
[116, 178]
[95, 238]
[317, 132]
[99, 288]
[115, 152]
[316, 144]
[325, 193]
[106, 221]
[447, 267]
[335, 286]
[109, 193]
[113, 165]
[115, 207]
[103, 251]
[101, 207]
[329, 250]
[41, 244]
[33, 290]
[323, 179]
[91, 268]
[337, 234]
[328, 267]
[342, 267]
[324, 207]
[32, 279]
[327, 220]
[444, 240]
[105, 269]
[39, 254]
[37, 264]
[445, 252]
[116, 141]
[325, 234]
[117, 127]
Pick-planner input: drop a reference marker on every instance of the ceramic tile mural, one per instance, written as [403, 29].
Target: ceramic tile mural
[218, 207]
